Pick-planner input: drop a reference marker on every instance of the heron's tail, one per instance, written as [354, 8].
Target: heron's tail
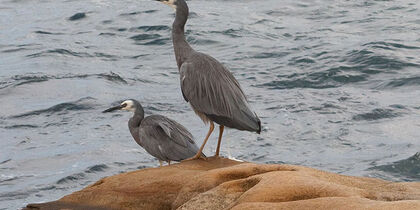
[259, 123]
[249, 121]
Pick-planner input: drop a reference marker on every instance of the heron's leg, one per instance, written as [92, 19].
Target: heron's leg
[161, 163]
[221, 129]
[169, 162]
[198, 155]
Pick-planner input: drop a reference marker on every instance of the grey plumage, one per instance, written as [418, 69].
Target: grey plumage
[160, 136]
[214, 94]
[212, 90]
[171, 140]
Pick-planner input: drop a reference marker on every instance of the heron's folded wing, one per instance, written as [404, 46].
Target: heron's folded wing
[176, 132]
[152, 143]
[211, 88]
[176, 142]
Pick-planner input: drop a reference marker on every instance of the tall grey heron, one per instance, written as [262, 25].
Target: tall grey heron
[212, 91]
[160, 136]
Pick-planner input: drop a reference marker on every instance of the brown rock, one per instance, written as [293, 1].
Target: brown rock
[228, 184]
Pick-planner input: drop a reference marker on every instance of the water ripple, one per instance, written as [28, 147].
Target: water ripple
[96, 168]
[71, 178]
[409, 167]
[141, 37]
[77, 16]
[390, 45]
[139, 12]
[400, 82]
[47, 33]
[60, 52]
[59, 108]
[369, 59]
[19, 80]
[154, 28]
[377, 114]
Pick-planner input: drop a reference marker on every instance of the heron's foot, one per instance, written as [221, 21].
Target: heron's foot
[195, 157]
[216, 156]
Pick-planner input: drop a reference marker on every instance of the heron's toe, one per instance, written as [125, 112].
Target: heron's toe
[195, 157]
[216, 157]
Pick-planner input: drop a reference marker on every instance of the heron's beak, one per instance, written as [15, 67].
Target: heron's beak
[113, 108]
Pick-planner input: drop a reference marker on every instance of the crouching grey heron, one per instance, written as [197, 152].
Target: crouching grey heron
[212, 91]
[160, 136]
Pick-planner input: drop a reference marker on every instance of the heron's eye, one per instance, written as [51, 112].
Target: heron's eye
[124, 105]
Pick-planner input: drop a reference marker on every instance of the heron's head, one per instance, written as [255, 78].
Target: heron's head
[171, 3]
[129, 105]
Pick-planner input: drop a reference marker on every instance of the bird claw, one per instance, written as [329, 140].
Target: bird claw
[216, 157]
[195, 157]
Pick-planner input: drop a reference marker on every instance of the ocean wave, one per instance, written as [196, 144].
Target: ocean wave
[390, 45]
[150, 39]
[154, 28]
[162, 41]
[78, 105]
[77, 16]
[264, 55]
[368, 59]
[15, 195]
[107, 34]
[297, 83]
[137, 13]
[14, 50]
[5, 161]
[19, 80]
[409, 167]
[21, 126]
[71, 178]
[141, 37]
[8, 180]
[96, 168]
[18, 47]
[233, 33]
[47, 33]
[318, 80]
[162, 107]
[60, 52]
[77, 177]
[66, 52]
[400, 82]
[113, 77]
[357, 66]
[197, 41]
[377, 114]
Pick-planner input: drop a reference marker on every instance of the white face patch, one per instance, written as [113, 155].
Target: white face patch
[129, 105]
[171, 3]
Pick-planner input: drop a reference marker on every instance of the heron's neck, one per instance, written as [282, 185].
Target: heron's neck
[181, 47]
[136, 120]
[134, 125]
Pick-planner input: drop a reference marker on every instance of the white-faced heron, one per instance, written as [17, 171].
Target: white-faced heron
[214, 94]
[160, 136]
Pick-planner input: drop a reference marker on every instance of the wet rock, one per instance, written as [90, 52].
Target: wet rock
[228, 184]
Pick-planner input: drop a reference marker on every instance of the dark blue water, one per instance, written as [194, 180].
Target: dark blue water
[336, 84]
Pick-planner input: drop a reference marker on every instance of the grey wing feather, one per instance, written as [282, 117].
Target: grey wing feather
[166, 128]
[166, 139]
[211, 89]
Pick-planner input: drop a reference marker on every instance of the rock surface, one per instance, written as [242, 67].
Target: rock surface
[227, 184]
